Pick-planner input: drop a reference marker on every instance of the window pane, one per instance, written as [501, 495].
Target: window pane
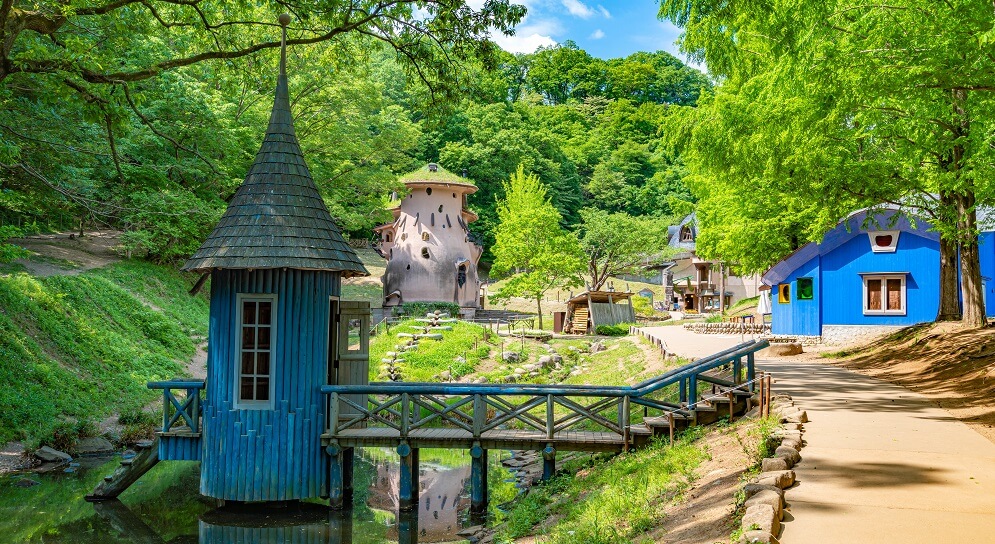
[873, 294]
[247, 363]
[805, 289]
[355, 331]
[246, 389]
[248, 312]
[894, 294]
[262, 389]
[248, 338]
[263, 338]
[262, 362]
[265, 309]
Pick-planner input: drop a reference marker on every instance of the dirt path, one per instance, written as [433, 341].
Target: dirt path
[60, 255]
[883, 464]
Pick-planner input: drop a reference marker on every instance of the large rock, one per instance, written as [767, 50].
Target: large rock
[782, 478]
[758, 537]
[799, 416]
[94, 446]
[768, 497]
[596, 347]
[789, 454]
[511, 357]
[762, 517]
[545, 361]
[752, 489]
[773, 464]
[794, 442]
[784, 349]
[50, 455]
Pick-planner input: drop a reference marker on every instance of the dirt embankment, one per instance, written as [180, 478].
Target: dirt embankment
[953, 366]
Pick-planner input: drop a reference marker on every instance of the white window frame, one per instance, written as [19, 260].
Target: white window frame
[871, 235]
[884, 294]
[238, 403]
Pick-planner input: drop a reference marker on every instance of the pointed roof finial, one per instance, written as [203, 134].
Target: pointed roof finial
[284, 20]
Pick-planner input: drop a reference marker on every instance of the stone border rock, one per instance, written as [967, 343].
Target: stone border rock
[728, 328]
[765, 493]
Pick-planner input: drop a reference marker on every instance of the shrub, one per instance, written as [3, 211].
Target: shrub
[419, 309]
[10, 252]
[620, 329]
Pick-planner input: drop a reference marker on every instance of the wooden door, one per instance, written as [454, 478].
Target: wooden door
[353, 361]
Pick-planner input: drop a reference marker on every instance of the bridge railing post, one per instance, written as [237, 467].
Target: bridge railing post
[550, 418]
[692, 391]
[333, 414]
[479, 414]
[405, 414]
[751, 370]
[737, 374]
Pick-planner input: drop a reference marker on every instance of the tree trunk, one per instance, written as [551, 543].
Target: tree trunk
[971, 286]
[539, 309]
[949, 289]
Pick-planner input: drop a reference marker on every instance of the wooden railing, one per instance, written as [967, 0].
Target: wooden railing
[479, 408]
[186, 408]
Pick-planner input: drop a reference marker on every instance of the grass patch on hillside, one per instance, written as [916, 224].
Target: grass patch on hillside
[613, 500]
[75, 349]
[433, 356]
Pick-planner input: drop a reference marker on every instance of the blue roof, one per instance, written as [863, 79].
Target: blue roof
[846, 230]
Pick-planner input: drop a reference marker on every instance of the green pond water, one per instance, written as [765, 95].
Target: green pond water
[165, 507]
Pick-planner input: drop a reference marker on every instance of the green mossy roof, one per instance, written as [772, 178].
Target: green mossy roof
[442, 176]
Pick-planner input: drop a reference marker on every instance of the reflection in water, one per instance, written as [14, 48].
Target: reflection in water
[164, 507]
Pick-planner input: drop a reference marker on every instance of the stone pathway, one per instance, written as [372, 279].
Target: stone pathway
[882, 464]
[688, 344]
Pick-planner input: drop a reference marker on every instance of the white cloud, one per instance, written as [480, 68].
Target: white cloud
[578, 9]
[523, 43]
[597, 34]
[604, 12]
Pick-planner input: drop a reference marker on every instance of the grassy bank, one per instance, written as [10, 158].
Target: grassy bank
[610, 501]
[76, 349]
[466, 341]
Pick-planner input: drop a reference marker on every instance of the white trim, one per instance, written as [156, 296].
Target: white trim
[890, 248]
[239, 404]
[884, 294]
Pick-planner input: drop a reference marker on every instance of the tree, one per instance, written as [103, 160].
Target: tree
[618, 243]
[847, 108]
[530, 245]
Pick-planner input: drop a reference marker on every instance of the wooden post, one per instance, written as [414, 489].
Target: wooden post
[407, 494]
[683, 390]
[348, 463]
[670, 417]
[336, 491]
[479, 414]
[751, 371]
[692, 391]
[737, 368]
[478, 479]
[548, 462]
[590, 314]
[626, 428]
[549, 417]
[732, 405]
[405, 415]
[407, 527]
[333, 415]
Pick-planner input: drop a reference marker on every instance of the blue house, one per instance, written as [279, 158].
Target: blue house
[868, 275]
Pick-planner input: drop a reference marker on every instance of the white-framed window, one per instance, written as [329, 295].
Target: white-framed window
[884, 294]
[884, 241]
[256, 317]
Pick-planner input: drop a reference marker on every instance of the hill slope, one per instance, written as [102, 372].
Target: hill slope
[75, 349]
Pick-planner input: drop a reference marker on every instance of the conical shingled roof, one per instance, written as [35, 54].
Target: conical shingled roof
[277, 218]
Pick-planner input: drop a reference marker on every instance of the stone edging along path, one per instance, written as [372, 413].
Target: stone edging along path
[765, 503]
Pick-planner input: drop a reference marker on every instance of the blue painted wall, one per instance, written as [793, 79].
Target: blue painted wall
[273, 454]
[986, 242]
[801, 317]
[179, 448]
[843, 294]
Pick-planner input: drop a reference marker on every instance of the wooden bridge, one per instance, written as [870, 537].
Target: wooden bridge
[546, 418]
[480, 417]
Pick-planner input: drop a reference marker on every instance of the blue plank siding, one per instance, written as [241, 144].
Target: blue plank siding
[841, 273]
[274, 453]
[802, 317]
[179, 448]
[986, 245]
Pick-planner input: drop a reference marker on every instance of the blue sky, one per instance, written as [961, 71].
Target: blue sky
[603, 28]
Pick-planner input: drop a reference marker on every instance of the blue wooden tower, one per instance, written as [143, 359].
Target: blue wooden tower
[278, 330]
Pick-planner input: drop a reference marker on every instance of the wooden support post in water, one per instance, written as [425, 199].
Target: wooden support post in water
[407, 494]
[548, 462]
[478, 479]
[336, 488]
[348, 463]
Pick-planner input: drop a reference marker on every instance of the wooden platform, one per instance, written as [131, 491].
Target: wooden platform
[505, 439]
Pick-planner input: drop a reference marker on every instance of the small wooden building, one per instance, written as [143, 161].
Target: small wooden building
[592, 308]
[278, 330]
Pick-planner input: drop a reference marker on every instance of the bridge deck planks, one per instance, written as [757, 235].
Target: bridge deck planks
[516, 439]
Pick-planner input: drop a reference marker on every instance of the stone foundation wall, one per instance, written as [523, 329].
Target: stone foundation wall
[838, 335]
[787, 339]
[728, 328]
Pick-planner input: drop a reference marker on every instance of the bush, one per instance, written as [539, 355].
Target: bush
[642, 306]
[10, 252]
[620, 329]
[419, 309]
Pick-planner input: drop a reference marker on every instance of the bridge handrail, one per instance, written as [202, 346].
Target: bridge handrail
[188, 409]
